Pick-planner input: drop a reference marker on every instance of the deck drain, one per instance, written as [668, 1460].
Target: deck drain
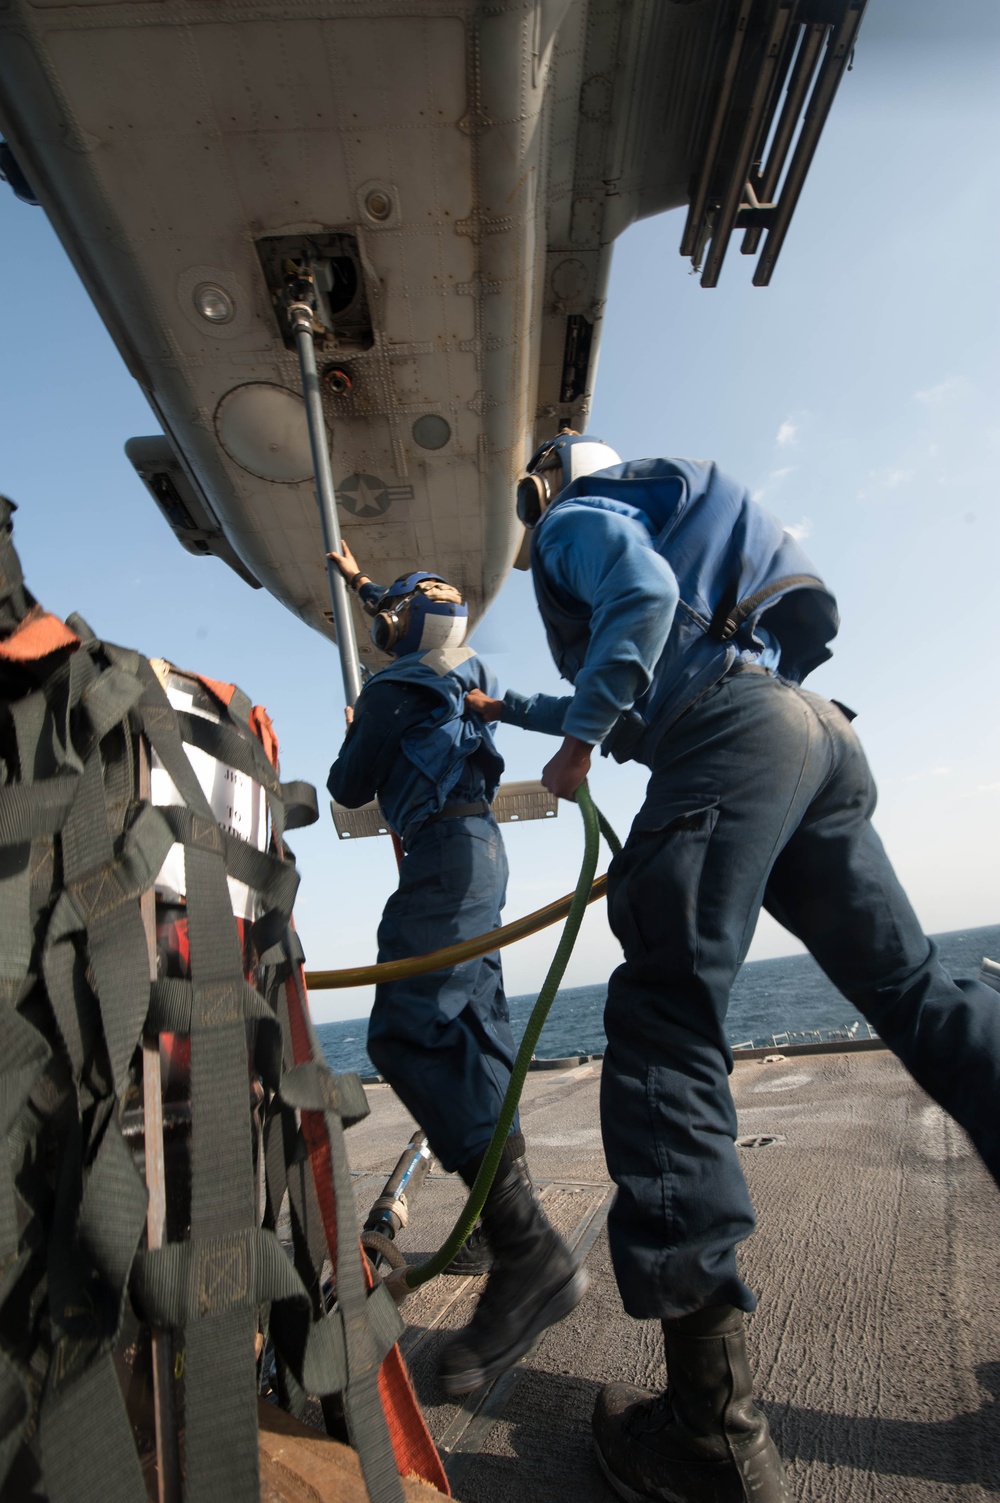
[760, 1140]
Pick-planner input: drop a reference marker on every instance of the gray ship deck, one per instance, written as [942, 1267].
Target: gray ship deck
[877, 1264]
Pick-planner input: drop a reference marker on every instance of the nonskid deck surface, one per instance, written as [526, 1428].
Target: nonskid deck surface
[876, 1347]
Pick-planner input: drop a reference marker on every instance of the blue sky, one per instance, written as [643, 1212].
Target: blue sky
[858, 396]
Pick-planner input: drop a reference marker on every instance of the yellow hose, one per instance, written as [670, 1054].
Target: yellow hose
[440, 960]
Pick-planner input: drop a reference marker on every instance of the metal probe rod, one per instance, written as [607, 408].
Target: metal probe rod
[300, 316]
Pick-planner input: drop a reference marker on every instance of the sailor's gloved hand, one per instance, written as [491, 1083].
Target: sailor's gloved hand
[481, 704]
[568, 768]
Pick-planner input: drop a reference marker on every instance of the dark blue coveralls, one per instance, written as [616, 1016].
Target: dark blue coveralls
[759, 795]
[442, 1041]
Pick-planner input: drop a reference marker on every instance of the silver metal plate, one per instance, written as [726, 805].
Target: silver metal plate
[520, 801]
[514, 803]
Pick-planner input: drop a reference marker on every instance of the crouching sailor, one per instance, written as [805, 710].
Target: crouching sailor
[443, 1041]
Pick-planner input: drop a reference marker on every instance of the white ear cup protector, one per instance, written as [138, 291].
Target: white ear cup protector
[555, 466]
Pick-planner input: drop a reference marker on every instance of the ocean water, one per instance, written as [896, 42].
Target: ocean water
[770, 998]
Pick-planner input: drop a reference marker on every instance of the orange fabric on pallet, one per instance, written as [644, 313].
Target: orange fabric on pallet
[222, 692]
[38, 635]
[260, 724]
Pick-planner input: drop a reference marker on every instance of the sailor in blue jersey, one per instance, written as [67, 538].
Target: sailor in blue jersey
[443, 1041]
[686, 619]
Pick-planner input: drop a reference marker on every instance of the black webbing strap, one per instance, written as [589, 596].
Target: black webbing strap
[75, 677]
[24, 1054]
[186, 1282]
[219, 1371]
[73, 1004]
[109, 698]
[88, 1454]
[171, 1004]
[183, 1283]
[284, 1137]
[730, 614]
[275, 882]
[301, 807]
[104, 889]
[218, 1354]
[317, 1353]
[312, 1087]
[15, 1411]
[33, 809]
[83, 1459]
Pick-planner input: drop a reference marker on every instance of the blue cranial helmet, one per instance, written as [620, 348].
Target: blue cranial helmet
[556, 464]
[418, 612]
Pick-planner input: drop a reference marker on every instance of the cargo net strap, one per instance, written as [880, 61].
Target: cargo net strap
[79, 847]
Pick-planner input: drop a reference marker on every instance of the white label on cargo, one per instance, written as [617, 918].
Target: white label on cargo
[238, 804]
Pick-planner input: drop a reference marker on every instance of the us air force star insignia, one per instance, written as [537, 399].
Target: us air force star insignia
[368, 496]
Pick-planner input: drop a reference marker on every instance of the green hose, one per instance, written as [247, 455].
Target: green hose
[593, 820]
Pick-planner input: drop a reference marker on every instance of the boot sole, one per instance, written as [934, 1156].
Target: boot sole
[622, 1488]
[565, 1299]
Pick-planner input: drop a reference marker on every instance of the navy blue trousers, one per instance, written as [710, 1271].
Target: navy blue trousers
[443, 1041]
[759, 795]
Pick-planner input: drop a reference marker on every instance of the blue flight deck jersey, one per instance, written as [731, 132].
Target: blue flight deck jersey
[632, 565]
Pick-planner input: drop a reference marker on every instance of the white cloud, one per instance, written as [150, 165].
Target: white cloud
[888, 478]
[774, 479]
[800, 530]
[940, 772]
[941, 391]
[786, 434]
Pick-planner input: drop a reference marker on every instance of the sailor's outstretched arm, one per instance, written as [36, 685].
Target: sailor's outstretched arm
[530, 712]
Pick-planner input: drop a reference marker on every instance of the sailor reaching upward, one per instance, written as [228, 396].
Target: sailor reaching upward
[443, 1041]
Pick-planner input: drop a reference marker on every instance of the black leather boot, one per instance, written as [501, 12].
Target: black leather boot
[704, 1440]
[533, 1283]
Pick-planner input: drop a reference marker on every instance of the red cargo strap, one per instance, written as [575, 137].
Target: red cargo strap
[412, 1444]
